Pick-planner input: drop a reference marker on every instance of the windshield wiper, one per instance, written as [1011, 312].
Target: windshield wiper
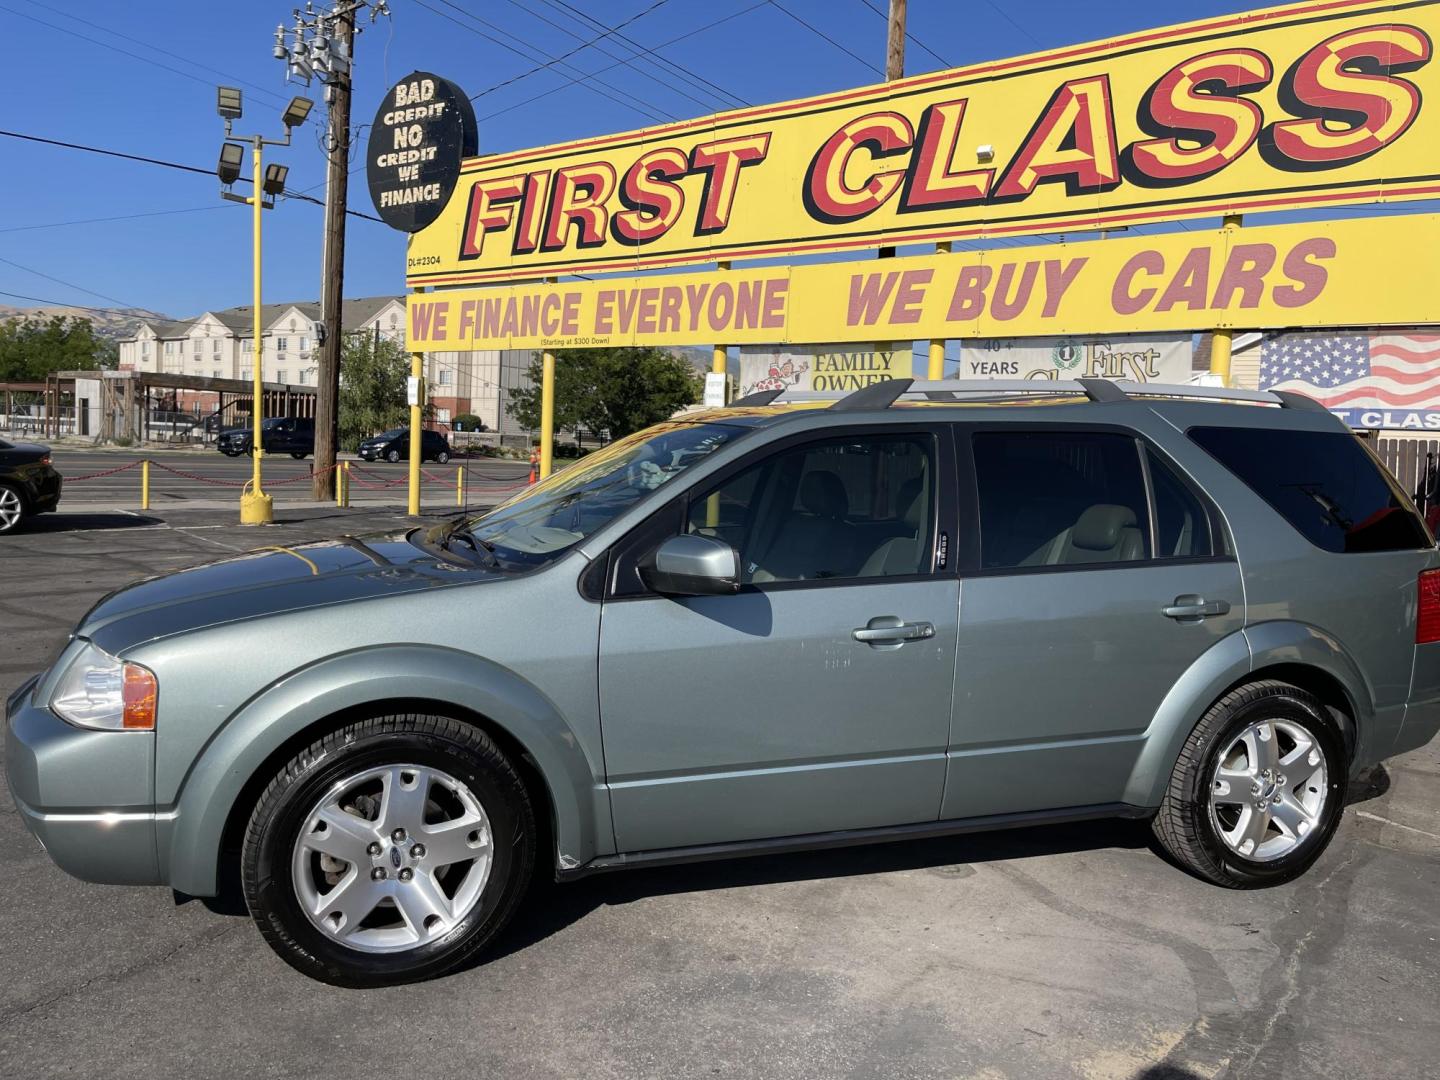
[482, 548]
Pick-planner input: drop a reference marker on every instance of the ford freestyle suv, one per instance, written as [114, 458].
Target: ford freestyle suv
[750, 630]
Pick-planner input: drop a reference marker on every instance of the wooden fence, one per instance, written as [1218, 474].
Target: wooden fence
[1409, 460]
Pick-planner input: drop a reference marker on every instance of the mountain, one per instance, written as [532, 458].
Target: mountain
[112, 325]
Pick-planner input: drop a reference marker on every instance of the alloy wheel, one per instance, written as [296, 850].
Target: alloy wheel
[11, 509]
[392, 857]
[1268, 789]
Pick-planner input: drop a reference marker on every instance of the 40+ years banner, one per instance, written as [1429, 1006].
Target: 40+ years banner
[1302, 105]
[1358, 272]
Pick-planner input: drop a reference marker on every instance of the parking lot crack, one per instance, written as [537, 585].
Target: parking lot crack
[207, 937]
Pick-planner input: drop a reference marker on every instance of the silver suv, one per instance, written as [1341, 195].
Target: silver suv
[921, 610]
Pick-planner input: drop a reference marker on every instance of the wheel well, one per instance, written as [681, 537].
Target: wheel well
[1320, 683]
[227, 869]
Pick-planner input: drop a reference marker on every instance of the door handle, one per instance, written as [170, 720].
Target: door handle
[1192, 608]
[892, 630]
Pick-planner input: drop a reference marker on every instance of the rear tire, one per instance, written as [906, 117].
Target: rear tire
[1258, 789]
[442, 458]
[441, 914]
[13, 509]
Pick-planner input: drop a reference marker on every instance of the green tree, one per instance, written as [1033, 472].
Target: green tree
[31, 348]
[372, 388]
[610, 391]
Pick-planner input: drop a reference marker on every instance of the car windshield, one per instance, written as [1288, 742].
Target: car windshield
[393, 433]
[271, 424]
[549, 518]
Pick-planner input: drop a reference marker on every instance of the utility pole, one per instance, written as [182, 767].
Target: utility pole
[895, 46]
[323, 47]
[332, 267]
[894, 64]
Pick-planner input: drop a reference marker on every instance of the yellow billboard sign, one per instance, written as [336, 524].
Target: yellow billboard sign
[1361, 271]
[1305, 105]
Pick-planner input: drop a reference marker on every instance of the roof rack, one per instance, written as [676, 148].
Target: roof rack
[883, 394]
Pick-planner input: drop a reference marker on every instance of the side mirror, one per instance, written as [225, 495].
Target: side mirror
[692, 566]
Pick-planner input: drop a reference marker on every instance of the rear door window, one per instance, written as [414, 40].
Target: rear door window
[1060, 498]
[1325, 484]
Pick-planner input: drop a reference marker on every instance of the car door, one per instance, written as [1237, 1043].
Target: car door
[1101, 576]
[816, 698]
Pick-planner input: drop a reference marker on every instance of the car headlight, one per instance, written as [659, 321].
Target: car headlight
[105, 693]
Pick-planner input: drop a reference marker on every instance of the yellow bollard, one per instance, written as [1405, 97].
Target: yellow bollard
[347, 485]
[460, 486]
[145, 484]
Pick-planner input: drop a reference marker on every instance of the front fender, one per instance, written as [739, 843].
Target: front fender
[190, 842]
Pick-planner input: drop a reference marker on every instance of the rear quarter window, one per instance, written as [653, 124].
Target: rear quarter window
[1325, 484]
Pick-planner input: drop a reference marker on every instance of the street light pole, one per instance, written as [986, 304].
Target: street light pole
[256, 508]
[267, 185]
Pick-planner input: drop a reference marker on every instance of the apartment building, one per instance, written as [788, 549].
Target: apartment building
[218, 344]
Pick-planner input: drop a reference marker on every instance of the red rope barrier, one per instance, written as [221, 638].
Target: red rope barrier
[97, 475]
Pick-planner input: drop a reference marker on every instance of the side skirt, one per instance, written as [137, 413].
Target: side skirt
[850, 838]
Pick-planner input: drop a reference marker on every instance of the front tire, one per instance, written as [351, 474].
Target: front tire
[12, 508]
[390, 851]
[1258, 790]
[393, 456]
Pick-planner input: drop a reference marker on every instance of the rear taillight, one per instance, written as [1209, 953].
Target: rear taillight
[1427, 615]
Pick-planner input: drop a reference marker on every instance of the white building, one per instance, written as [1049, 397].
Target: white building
[217, 344]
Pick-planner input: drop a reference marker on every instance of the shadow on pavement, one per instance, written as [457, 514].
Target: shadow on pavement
[551, 907]
[43, 524]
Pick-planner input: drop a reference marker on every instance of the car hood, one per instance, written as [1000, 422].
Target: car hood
[269, 581]
[235, 431]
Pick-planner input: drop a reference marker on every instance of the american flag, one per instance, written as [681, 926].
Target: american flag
[1355, 371]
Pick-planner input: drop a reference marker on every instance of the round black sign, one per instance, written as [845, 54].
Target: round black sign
[423, 129]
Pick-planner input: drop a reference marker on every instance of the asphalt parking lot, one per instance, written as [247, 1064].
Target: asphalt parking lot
[1058, 952]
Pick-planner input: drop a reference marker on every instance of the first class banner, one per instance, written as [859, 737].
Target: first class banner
[1356, 272]
[1306, 105]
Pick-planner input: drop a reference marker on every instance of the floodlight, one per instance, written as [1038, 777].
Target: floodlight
[232, 156]
[296, 112]
[228, 102]
[274, 182]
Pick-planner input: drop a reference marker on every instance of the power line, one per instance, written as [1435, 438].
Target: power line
[1006, 16]
[61, 303]
[62, 281]
[165, 164]
[916, 41]
[102, 220]
[571, 82]
[662, 45]
[614, 93]
[591, 43]
[134, 56]
[694, 78]
[821, 34]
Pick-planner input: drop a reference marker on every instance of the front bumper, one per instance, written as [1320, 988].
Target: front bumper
[87, 796]
[47, 493]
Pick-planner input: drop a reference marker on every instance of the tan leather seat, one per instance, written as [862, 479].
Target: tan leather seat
[816, 542]
[1103, 533]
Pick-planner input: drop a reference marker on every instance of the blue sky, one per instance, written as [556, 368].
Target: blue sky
[139, 77]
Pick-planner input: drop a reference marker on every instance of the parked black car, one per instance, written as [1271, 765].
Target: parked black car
[29, 484]
[293, 435]
[394, 445]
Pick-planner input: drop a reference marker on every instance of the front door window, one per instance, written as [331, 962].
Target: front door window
[854, 507]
